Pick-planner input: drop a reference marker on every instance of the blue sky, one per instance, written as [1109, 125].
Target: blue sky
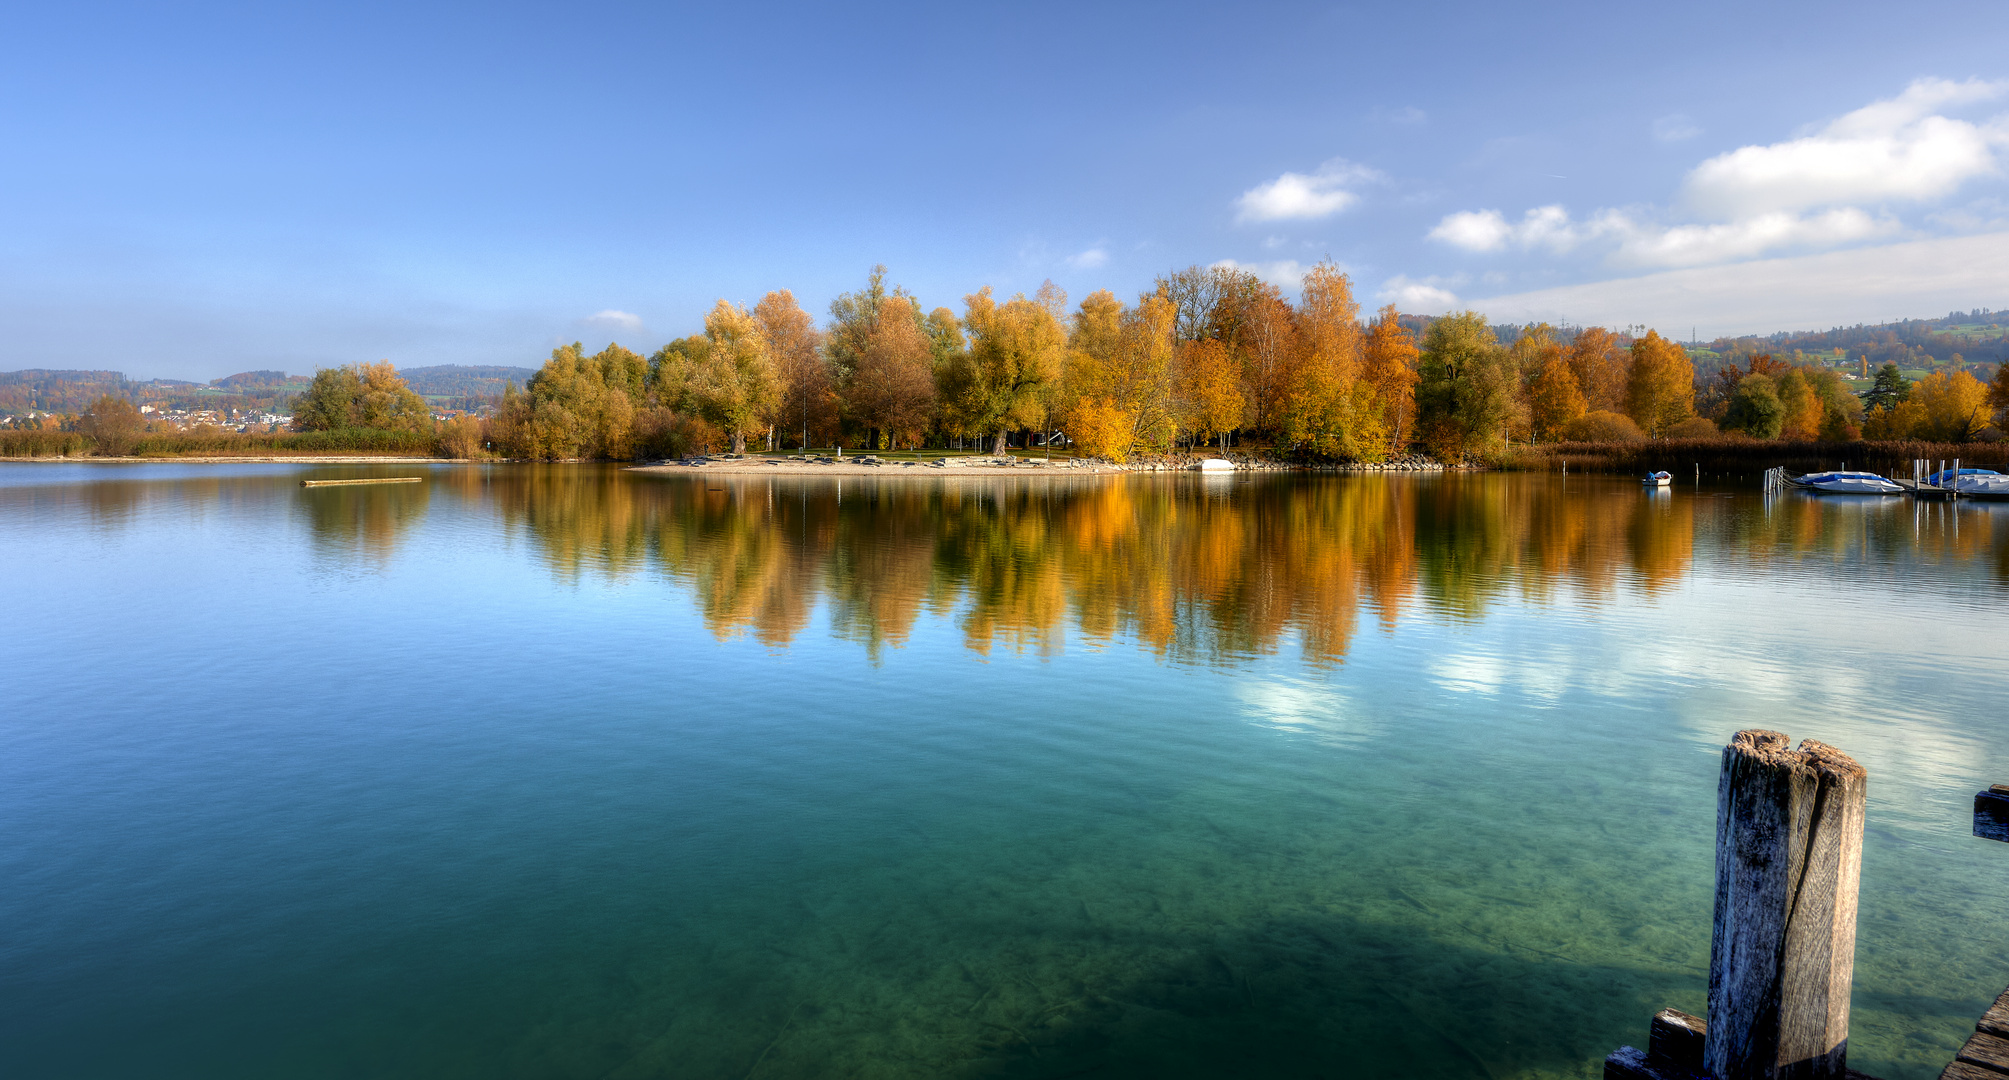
[200, 189]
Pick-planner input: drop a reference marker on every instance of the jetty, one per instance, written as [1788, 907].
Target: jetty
[1789, 831]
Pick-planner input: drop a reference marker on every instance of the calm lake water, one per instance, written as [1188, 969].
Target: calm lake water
[570, 772]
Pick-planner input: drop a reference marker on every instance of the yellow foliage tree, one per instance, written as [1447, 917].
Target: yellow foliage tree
[1389, 369]
[1660, 388]
[1554, 400]
[1016, 354]
[734, 384]
[1208, 386]
[1601, 367]
[1954, 408]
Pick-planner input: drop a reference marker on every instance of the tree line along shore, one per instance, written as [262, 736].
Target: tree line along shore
[1209, 358]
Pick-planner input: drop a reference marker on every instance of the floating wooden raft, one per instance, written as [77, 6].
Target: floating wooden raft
[372, 480]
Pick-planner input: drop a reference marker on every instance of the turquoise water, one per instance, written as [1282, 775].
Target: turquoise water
[569, 772]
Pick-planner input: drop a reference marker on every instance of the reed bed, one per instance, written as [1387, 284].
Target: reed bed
[20, 444]
[1740, 456]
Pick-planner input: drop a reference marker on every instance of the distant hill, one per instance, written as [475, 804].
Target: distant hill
[464, 380]
[247, 380]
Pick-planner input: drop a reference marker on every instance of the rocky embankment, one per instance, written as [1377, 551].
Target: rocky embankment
[1152, 463]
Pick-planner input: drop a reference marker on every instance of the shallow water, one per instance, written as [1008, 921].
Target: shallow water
[564, 771]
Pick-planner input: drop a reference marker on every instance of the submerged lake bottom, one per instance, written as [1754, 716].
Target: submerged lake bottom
[571, 771]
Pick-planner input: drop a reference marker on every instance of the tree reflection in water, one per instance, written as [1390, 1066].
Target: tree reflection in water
[1197, 572]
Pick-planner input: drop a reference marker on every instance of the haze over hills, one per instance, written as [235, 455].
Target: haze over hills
[456, 386]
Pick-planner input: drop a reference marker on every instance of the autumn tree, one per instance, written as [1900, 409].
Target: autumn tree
[361, 396]
[1554, 400]
[1389, 367]
[578, 405]
[1998, 395]
[1601, 367]
[734, 385]
[1954, 407]
[795, 346]
[1207, 389]
[892, 383]
[1267, 334]
[1324, 404]
[1016, 354]
[1660, 388]
[1117, 389]
[113, 423]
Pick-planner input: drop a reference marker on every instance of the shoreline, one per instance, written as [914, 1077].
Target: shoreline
[244, 459]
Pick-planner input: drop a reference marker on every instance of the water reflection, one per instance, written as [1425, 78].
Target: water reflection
[367, 520]
[1195, 571]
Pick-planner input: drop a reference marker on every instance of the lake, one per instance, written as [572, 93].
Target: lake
[565, 771]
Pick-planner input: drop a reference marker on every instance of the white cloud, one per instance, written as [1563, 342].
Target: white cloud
[1697, 245]
[1674, 128]
[1489, 230]
[1806, 291]
[620, 320]
[1286, 273]
[1419, 294]
[1896, 149]
[1298, 196]
[1823, 189]
[1090, 259]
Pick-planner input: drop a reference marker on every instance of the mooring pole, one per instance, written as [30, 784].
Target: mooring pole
[1789, 834]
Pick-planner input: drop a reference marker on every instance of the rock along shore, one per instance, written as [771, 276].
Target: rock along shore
[872, 464]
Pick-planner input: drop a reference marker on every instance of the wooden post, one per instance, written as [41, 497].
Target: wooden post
[1991, 813]
[1789, 829]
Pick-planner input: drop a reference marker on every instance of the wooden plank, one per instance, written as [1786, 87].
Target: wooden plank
[1677, 1038]
[1996, 1020]
[1991, 814]
[1961, 1070]
[1789, 828]
[372, 480]
[1985, 1049]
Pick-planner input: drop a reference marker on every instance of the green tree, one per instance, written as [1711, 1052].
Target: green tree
[1755, 408]
[1890, 388]
[1465, 395]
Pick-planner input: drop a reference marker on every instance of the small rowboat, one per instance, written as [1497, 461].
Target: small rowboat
[1660, 479]
[1845, 483]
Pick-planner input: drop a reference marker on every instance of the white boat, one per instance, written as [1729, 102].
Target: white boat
[1215, 464]
[1971, 483]
[1660, 479]
[1845, 483]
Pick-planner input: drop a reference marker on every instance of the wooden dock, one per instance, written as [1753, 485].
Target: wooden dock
[1789, 828]
[372, 480]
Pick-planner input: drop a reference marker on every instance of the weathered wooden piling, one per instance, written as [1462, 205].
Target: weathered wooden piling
[1789, 834]
[1789, 828]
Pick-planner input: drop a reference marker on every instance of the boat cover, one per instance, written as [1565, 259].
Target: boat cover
[1848, 483]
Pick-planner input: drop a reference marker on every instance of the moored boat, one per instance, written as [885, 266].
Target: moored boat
[1969, 483]
[1659, 479]
[1845, 483]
